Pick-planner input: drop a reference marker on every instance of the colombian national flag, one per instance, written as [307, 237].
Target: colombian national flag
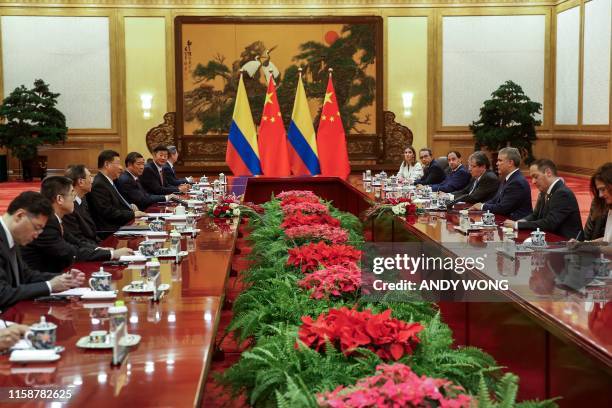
[242, 155]
[302, 141]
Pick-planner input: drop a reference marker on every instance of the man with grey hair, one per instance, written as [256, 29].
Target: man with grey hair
[513, 198]
[168, 169]
[483, 185]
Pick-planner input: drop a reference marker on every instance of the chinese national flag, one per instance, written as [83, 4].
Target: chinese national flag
[331, 142]
[272, 141]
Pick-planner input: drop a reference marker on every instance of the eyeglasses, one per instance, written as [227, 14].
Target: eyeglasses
[424, 157]
[37, 228]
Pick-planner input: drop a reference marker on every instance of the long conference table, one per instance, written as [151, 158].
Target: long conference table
[558, 348]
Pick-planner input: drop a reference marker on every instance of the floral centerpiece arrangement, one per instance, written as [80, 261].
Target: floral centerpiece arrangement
[348, 329]
[307, 341]
[225, 207]
[230, 206]
[396, 386]
[396, 206]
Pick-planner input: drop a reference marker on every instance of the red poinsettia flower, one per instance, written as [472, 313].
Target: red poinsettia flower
[396, 386]
[305, 208]
[318, 232]
[349, 329]
[296, 194]
[333, 281]
[299, 200]
[312, 256]
[299, 218]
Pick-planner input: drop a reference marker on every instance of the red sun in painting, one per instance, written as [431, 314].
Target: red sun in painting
[331, 37]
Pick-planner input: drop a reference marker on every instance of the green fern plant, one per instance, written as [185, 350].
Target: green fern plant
[505, 393]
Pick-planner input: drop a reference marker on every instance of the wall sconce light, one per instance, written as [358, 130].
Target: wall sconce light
[146, 104]
[407, 102]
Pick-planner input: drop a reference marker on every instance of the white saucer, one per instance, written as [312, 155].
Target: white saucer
[33, 356]
[130, 340]
[96, 294]
[129, 288]
[163, 287]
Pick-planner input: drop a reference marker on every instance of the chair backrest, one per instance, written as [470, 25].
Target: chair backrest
[443, 162]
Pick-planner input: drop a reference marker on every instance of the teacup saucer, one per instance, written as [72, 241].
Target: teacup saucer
[129, 341]
[33, 356]
[145, 289]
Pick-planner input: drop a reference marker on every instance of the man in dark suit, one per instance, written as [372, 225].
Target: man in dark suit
[80, 223]
[129, 186]
[108, 208]
[153, 179]
[557, 209]
[513, 198]
[168, 169]
[458, 177]
[432, 172]
[483, 185]
[55, 249]
[23, 221]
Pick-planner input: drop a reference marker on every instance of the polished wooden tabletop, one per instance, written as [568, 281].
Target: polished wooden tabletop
[584, 317]
[168, 366]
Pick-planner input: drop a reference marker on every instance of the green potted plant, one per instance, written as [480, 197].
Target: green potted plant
[507, 119]
[30, 119]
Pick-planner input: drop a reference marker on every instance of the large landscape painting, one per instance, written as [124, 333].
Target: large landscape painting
[211, 53]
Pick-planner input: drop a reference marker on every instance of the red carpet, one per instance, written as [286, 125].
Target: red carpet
[10, 190]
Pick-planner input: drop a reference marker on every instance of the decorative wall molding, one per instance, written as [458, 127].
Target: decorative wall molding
[276, 3]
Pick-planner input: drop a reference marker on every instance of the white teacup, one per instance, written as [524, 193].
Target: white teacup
[137, 285]
[147, 248]
[98, 336]
[42, 335]
[179, 210]
[100, 281]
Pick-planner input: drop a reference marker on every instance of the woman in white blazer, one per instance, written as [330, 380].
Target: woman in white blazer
[410, 168]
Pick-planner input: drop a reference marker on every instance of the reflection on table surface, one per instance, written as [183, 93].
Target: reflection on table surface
[556, 286]
[177, 332]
